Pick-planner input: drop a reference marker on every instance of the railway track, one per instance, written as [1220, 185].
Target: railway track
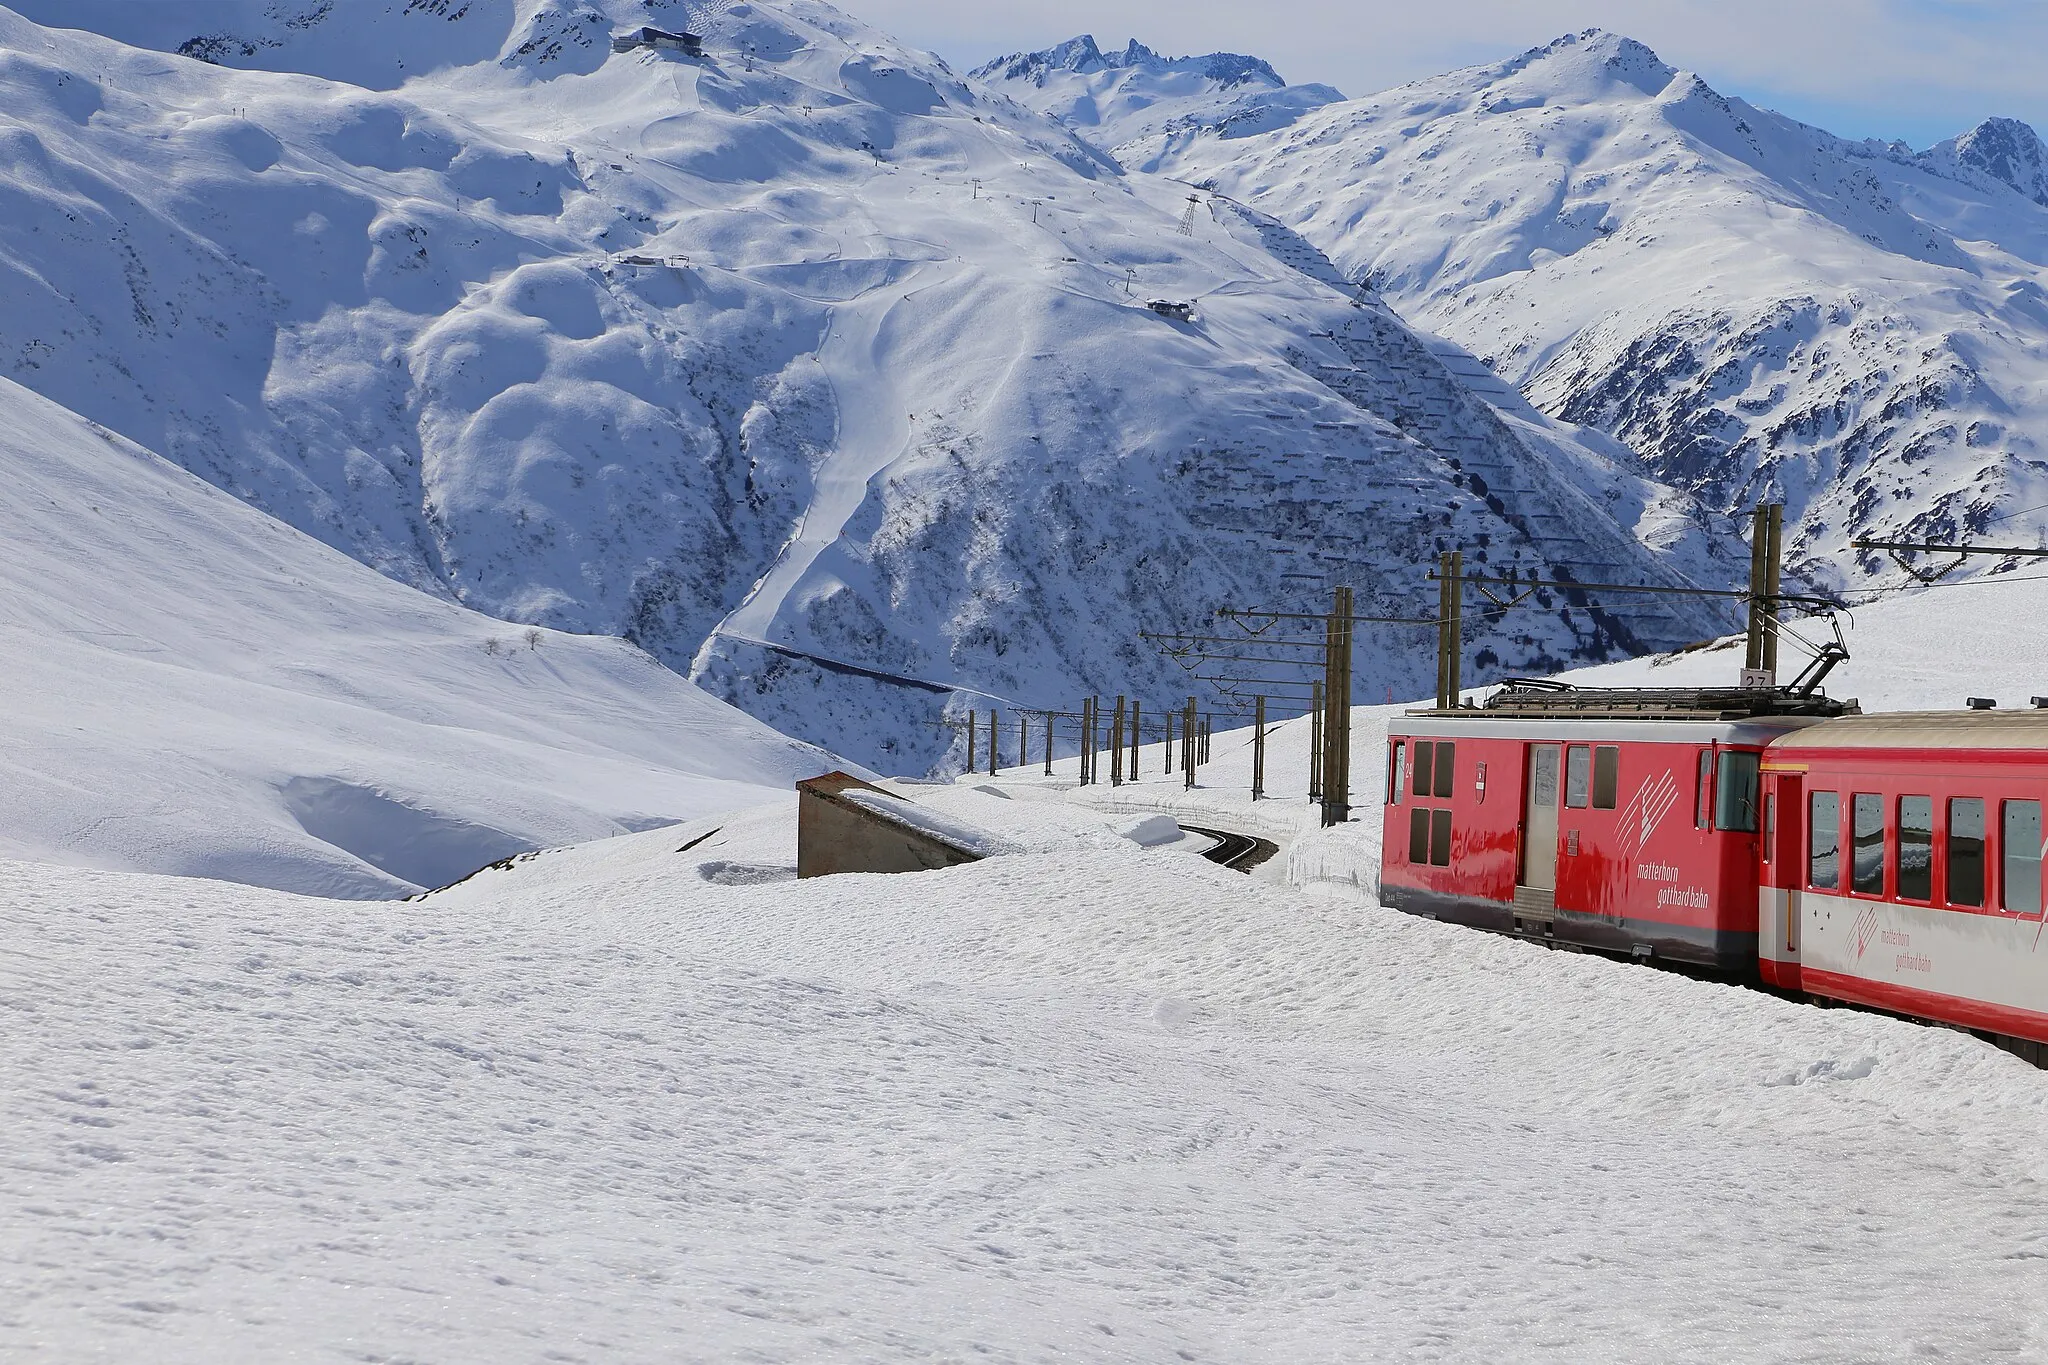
[1241, 852]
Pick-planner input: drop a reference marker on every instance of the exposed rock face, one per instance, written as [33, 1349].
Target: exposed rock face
[1762, 309]
[1128, 103]
[2001, 149]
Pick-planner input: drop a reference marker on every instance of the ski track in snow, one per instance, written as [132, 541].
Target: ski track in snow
[871, 433]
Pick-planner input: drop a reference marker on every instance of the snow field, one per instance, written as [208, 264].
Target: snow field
[196, 688]
[1087, 1100]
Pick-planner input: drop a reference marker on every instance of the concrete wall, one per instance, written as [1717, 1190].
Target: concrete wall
[835, 836]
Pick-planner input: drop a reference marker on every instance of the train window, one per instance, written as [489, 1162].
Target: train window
[1703, 792]
[2019, 890]
[1446, 763]
[1824, 832]
[1735, 791]
[1418, 835]
[1965, 851]
[1439, 838]
[1424, 751]
[1866, 818]
[1395, 774]
[1606, 776]
[1543, 776]
[1914, 869]
[1578, 775]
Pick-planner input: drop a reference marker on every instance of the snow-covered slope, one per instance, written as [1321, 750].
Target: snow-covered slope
[806, 366]
[1083, 1102]
[191, 687]
[376, 44]
[1133, 103]
[1759, 307]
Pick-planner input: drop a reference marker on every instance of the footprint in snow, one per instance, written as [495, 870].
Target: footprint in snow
[722, 873]
[1828, 1069]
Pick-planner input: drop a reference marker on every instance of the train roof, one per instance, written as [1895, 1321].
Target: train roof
[1534, 707]
[1580, 728]
[1929, 730]
[1547, 698]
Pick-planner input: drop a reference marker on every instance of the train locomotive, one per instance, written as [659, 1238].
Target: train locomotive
[1892, 861]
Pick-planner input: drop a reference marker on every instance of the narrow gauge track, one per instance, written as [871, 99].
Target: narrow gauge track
[1241, 852]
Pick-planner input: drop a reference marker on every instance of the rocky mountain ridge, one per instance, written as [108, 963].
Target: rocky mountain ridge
[1762, 309]
[1121, 102]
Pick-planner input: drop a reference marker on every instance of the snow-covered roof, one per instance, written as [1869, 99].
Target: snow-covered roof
[948, 829]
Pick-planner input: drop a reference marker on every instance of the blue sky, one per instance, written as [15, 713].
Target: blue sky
[1920, 70]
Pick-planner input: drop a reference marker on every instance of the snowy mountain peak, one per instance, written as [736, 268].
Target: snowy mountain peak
[1139, 106]
[1760, 307]
[1583, 63]
[2004, 149]
[1082, 56]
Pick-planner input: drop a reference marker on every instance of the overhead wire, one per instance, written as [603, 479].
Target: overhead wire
[2022, 512]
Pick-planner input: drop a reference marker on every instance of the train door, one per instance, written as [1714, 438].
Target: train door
[1536, 879]
[1783, 875]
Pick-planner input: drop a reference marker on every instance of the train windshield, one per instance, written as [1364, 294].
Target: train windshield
[1735, 791]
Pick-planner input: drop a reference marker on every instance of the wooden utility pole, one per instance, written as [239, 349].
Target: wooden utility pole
[1753, 643]
[1774, 576]
[1095, 743]
[1450, 637]
[1329, 697]
[1258, 747]
[1187, 743]
[1315, 742]
[1087, 743]
[1169, 743]
[1023, 740]
[1336, 726]
[1048, 744]
[970, 739]
[1137, 740]
[1116, 745]
[1766, 578]
[995, 732]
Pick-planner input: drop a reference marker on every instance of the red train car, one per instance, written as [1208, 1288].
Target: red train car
[1905, 868]
[1891, 861]
[1625, 821]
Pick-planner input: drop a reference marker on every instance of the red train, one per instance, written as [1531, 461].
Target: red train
[1892, 861]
